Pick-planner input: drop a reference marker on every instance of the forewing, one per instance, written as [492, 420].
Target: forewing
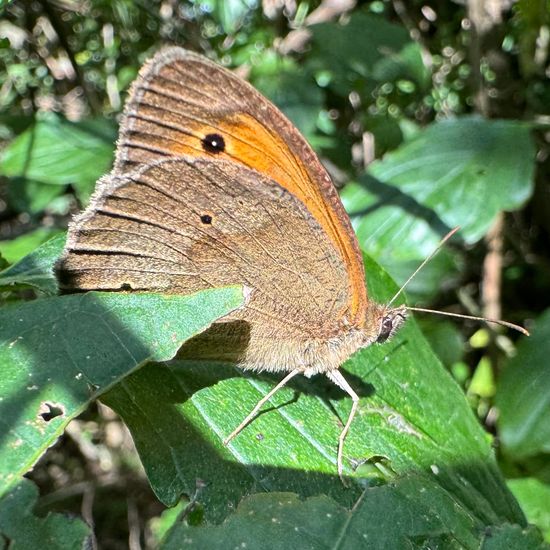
[181, 98]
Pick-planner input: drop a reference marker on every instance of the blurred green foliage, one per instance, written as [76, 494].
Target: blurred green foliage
[385, 92]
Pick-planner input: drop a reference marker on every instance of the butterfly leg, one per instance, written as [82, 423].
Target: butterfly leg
[336, 377]
[260, 404]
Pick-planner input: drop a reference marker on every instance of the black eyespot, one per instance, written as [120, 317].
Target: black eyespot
[213, 143]
[206, 219]
[385, 330]
[125, 286]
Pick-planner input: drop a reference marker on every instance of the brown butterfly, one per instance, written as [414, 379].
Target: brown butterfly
[213, 186]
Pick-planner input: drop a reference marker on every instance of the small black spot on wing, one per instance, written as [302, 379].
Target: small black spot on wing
[206, 219]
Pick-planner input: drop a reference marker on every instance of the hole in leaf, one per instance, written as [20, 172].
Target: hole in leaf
[50, 411]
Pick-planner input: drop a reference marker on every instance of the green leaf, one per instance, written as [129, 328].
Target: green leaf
[405, 64]
[228, 14]
[534, 498]
[58, 354]
[27, 195]
[365, 49]
[14, 123]
[292, 89]
[523, 395]
[24, 530]
[19, 247]
[444, 338]
[386, 131]
[412, 417]
[56, 152]
[483, 380]
[454, 173]
[36, 269]
[414, 512]
[160, 525]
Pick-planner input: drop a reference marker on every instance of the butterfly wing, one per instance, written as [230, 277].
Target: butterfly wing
[184, 224]
[184, 104]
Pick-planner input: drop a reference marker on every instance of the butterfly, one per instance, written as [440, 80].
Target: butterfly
[213, 186]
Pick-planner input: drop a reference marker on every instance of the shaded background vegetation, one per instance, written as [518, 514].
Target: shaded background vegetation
[359, 79]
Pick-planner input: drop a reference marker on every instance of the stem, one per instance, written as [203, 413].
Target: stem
[492, 271]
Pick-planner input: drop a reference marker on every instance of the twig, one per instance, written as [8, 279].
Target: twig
[492, 271]
[134, 528]
[86, 508]
[484, 18]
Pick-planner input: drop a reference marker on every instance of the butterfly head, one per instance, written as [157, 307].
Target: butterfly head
[389, 322]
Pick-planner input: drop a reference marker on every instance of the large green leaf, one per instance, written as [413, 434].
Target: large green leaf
[25, 531]
[412, 418]
[58, 354]
[37, 268]
[56, 152]
[414, 512]
[409, 200]
[523, 395]
[458, 172]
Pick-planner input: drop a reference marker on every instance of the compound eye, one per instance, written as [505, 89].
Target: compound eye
[385, 329]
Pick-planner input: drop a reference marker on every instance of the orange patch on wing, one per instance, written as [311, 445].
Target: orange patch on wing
[249, 142]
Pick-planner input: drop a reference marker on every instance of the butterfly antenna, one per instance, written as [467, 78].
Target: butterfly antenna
[437, 249]
[472, 317]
